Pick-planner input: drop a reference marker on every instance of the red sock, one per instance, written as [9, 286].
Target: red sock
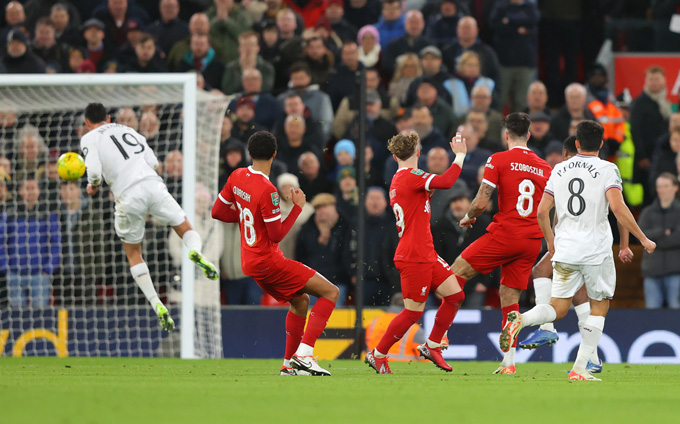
[506, 310]
[318, 319]
[445, 314]
[397, 328]
[295, 327]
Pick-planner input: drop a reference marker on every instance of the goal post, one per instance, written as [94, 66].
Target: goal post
[199, 122]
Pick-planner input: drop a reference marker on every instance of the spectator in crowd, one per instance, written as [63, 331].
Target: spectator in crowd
[347, 193]
[168, 29]
[435, 71]
[440, 26]
[15, 18]
[126, 116]
[272, 9]
[335, 12]
[245, 125]
[649, 117]
[378, 287]
[267, 108]
[467, 77]
[319, 60]
[561, 38]
[553, 153]
[31, 153]
[438, 161]
[370, 50]
[661, 270]
[541, 135]
[232, 157]
[345, 73]
[537, 98]
[515, 25]
[481, 102]
[76, 57]
[285, 182]
[269, 43]
[36, 9]
[349, 106]
[574, 109]
[450, 239]
[318, 102]
[345, 153]
[602, 104]
[19, 59]
[312, 182]
[146, 59]
[293, 106]
[411, 42]
[407, 70]
[45, 46]
[33, 248]
[249, 58]
[173, 167]
[475, 156]
[667, 148]
[65, 30]
[362, 12]
[426, 95]
[430, 136]
[390, 26]
[481, 125]
[149, 127]
[289, 47]
[99, 52]
[323, 244]
[198, 24]
[202, 58]
[119, 18]
[292, 145]
[467, 40]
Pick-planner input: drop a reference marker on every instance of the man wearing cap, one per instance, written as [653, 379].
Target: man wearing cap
[19, 59]
[98, 51]
[245, 125]
[411, 42]
[553, 153]
[441, 25]
[169, 29]
[267, 108]
[285, 182]
[540, 133]
[602, 104]
[119, 18]
[434, 71]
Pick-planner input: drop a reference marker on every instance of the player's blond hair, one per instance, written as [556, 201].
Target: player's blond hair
[403, 145]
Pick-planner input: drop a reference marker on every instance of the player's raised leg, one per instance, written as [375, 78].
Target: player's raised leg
[192, 240]
[140, 272]
[295, 328]
[545, 334]
[303, 358]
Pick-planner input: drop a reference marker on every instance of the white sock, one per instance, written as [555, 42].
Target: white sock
[590, 337]
[378, 354]
[286, 363]
[192, 240]
[582, 312]
[140, 273]
[509, 358]
[543, 289]
[432, 344]
[305, 350]
[539, 314]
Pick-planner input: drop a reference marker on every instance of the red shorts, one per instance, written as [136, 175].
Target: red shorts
[280, 277]
[418, 278]
[515, 257]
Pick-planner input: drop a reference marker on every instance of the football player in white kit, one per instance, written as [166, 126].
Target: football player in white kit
[122, 157]
[581, 189]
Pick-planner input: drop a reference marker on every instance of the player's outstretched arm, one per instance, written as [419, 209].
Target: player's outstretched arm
[448, 178]
[478, 205]
[626, 219]
[543, 214]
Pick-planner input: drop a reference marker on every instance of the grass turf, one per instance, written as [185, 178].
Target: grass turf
[123, 390]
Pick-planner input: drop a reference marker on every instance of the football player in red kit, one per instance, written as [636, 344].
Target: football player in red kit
[513, 239]
[420, 268]
[250, 199]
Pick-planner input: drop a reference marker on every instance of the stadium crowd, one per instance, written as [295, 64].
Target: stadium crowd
[290, 66]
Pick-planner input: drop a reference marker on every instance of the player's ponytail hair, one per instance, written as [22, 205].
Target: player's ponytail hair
[403, 145]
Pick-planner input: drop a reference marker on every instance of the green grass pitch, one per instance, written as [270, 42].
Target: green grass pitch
[164, 391]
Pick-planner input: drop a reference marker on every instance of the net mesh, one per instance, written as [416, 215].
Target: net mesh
[65, 284]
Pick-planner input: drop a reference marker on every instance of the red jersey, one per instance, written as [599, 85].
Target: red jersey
[520, 177]
[257, 202]
[410, 202]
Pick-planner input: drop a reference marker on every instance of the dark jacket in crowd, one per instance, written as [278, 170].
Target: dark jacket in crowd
[55, 57]
[320, 184]
[663, 160]
[32, 239]
[267, 109]
[340, 82]
[654, 221]
[440, 29]
[211, 67]
[515, 49]
[29, 63]
[438, 79]
[646, 126]
[167, 34]
[367, 15]
[434, 139]
[333, 261]
[561, 121]
[487, 55]
[345, 31]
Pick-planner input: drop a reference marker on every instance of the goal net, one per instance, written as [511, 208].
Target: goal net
[65, 284]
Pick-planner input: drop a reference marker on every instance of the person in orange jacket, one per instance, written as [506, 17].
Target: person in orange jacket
[602, 104]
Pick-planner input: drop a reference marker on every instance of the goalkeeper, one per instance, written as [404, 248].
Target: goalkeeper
[122, 157]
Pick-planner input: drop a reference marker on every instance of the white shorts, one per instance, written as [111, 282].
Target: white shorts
[142, 199]
[600, 280]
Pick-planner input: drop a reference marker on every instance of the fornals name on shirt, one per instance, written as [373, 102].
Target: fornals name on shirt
[514, 166]
[579, 164]
[242, 194]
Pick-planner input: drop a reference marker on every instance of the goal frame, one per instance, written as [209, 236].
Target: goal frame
[189, 90]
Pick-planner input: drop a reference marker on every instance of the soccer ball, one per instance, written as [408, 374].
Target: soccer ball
[71, 166]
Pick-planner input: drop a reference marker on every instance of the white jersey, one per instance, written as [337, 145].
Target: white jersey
[579, 185]
[120, 155]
